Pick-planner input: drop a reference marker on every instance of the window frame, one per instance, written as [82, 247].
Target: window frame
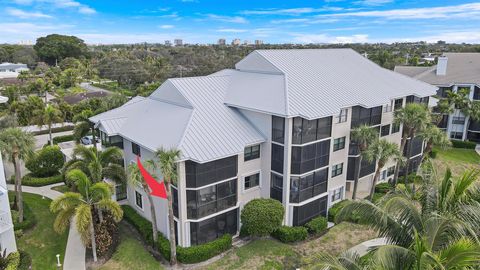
[134, 147]
[339, 143]
[252, 154]
[137, 196]
[244, 188]
[382, 129]
[335, 170]
[337, 194]
[342, 117]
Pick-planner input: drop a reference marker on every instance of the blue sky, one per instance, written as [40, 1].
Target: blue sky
[205, 21]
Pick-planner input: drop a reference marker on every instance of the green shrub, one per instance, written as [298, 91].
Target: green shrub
[336, 208]
[29, 180]
[317, 225]
[64, 138]
[25, 261]
[143, 226]
[29, 219]
[54, 130]
[261, 217]
[377, 196]
[433, 154]
[463, 144]
[13, 261]
[200, 253]
[383, 188]
[410, 178]
[288, 234]
[46, 162]
[163, 246]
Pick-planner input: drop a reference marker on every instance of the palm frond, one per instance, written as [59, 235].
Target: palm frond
[111, 206]
[87, 154]
[114, 172]
[81, 181]
[62, 221]
[167, 163]
[392, 257]
[81, 129]
[462, 254]
[347, 261]
[100, 191]
[83, 216]
[110, 155]
[69, 200]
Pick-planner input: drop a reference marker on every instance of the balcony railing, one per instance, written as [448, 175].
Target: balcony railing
[211, 207]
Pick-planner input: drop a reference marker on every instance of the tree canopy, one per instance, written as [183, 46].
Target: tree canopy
[56, 47]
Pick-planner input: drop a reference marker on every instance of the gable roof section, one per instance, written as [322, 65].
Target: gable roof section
[461, 68]
[318, 82]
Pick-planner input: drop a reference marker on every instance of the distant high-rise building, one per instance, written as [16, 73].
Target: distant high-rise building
[221, 41]
[258, 42]
[168, 43]
[236, 42]
[246, 42]
[178, 42]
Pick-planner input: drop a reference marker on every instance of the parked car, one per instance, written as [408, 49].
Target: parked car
[87, 140]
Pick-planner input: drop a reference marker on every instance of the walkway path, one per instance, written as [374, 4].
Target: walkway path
[478, 149]
[75, 252]
[363, 248]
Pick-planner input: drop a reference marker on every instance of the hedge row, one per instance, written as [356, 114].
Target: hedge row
[287, 234]
[317, 225]
[13, 261]
[54, 130]
[64, 138]
[383, 187]
[29, 180]
[463, 144]
[25, 261]
[187, 255]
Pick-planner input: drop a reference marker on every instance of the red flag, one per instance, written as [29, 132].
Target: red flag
[158, 189]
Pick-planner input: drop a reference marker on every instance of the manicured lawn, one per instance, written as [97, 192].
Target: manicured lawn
[42, 242]
[130, 254]
[458, 160]
[271, 254]
[62, 188]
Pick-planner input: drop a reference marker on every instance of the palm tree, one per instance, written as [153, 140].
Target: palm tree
[414, 117]
[83, 126]
[135, 179]
[345, 261]
[168, 167]
[380, 151]
[17, 145]
[48, 116]
[98, 165]
[363, 136]
[80, 205]
[433, 136]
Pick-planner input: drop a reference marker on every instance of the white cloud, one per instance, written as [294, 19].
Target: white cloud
[231, 30]
[25, 15]
[373, 2]
[229, 19]
[87, 10]
[166, 26]
[64, 4]
[305, 20]
[458, 11]
[290, 11]
[325, 38]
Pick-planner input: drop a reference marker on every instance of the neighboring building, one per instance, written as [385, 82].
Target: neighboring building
[7, 235]
[236, 42]
[454, 71]
[9, 70]
[277, 126]
[168, 43]
[221, 41]
[74, 99]
[258, 42]
[246, 42]
[178, 42]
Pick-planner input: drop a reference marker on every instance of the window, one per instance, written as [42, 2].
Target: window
[277, 158]
[415, 148]
[175, 201]
[121, 191]
[342, 117]
[456, 135]
[278, 129]
[202, 174]
[251, 152]
[308, 186]
[390, 171]
[337, 169]
[476, 93]
[366, 116]
[385, 130]
[213, 228]
[305, 213]
[138, 199]
[305, 131]
[395, 128]
[338, 144]
[211, 199]
[459, 120]
[383, 175]
[276, 187]
[388, 107]
[310, 157]
[366, 167]
[398, 103]
[136, 149]
[337, 194]
[252, 181]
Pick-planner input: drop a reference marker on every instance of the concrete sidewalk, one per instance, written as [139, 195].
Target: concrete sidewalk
[75, 251]
[478, 149]
[363, 248]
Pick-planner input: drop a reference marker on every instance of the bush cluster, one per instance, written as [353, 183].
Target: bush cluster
[433, 154]
[317, 225]
[64, 138]
[383, 188]
[29, 180]
[193, 254]
[54, 130]
[25, 261]
[45, 162]
[463, 144]
[410, 178]
[13, 261]
[336, 208]
[287, 234]
[261, 217]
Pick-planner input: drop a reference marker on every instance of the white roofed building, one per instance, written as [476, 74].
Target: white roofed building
[277, 126]
[9, 70]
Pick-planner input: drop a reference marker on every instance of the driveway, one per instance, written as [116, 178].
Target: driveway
[90, 88]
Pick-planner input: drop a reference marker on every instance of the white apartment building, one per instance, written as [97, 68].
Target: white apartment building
[10, 70]
[454, 71]
[277, 126]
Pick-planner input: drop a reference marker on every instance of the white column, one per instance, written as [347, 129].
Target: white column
[287, 157]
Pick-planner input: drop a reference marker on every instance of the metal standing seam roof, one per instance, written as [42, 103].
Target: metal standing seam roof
[318, 82]
[461, 68]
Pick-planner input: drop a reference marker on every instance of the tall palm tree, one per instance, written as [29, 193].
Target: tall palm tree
[414, 118]
[168, 167]
[48, 116]
[363, 136]
[83, 125]
[380, 151]
[98, 165]
[80, 205]
[17, 145]
[433, 136]
[135, 178]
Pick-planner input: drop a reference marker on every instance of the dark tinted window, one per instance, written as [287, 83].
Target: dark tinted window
[136, 149]
[251, 152]
[476, 93]
[365, 116]
[309, 157]
[305, 213]
[305, 131]
[385, 130]
[366, 168]
[395, 128]
[276, 187]
[337, 169]
[416, 147]
[338, 144]
[308, 186]
[201, 174]
[277, 158]
[251, 181]
[212, 199]
[398, 103]
[278, 129]
[213, 228]
[175, 201]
